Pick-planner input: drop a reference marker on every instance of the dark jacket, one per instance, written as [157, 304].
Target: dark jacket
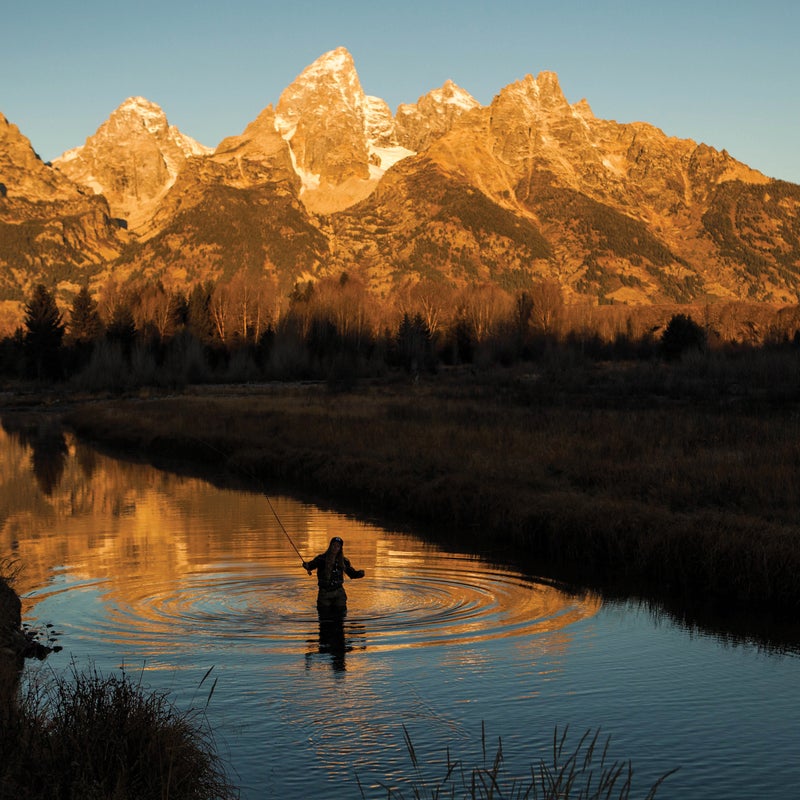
[336, 577]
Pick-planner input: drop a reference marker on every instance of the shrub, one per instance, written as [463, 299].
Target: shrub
[682, 334]
[108, 369]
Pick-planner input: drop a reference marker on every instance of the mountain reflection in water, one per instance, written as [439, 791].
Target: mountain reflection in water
[162, 551]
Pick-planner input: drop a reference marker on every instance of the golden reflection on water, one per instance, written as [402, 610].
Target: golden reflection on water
[163, 550]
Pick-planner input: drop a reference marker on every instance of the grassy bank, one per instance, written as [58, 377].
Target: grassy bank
[653, 483]
[94, 737]
[91, 736]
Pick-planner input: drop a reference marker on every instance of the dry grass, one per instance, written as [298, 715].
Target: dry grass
[94, 737]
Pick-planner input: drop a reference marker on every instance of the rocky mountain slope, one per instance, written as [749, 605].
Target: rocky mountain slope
[51, 228]
[529, 187]
[532, 186]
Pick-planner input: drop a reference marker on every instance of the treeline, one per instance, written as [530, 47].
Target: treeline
[335, 329]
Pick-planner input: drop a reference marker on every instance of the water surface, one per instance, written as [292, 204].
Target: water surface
[169, 576]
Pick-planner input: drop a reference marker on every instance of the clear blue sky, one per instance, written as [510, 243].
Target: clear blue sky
[725, 73]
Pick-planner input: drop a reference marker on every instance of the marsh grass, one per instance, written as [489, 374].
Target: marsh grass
[584, 772]
[93, 736]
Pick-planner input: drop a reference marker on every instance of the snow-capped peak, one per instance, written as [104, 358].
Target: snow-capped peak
[151, 114]
[336, 60]
[329, 80]
[334, 70]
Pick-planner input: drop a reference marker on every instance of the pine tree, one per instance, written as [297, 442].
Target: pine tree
[44, 332]
[121, 327]
[681, 335]
[85, 325]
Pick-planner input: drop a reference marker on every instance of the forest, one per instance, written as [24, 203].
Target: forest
[335, 329]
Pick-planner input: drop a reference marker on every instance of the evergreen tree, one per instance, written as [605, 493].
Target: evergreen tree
[85, 325]
[122, 327]
[179, 310]
[198, 313]
[44, 332]
[413, 344]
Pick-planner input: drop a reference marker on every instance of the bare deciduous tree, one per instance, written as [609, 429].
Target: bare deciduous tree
[483, 307]
[547, 301]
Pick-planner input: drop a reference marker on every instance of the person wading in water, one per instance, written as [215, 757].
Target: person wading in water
[331, 567]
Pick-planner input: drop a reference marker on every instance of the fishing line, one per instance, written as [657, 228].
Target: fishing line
[275, 513]
[266, 496]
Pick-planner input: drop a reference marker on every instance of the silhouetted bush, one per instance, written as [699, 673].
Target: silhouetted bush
[12, 356]
[682, 334]
[185, 361]
[108, 369]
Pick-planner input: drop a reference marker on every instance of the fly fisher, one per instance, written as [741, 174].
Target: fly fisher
[331, 567]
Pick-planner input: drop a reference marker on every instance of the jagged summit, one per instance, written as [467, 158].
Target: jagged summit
[335, 62]
[542, 92]
[452, 94]
[133, 158]
[138, 115]
[151, 114]
[22, 172]
[46, 221]
[342, 141]
[433, 115]
[332, 79]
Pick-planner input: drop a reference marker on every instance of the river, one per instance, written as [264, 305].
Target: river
[168, 576]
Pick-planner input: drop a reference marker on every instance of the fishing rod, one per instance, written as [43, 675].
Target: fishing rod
[275, 514]
[266, 496]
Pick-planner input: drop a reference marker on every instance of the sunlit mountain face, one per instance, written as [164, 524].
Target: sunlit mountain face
[330, 181]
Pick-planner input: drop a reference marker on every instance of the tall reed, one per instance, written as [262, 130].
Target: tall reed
[584, 772]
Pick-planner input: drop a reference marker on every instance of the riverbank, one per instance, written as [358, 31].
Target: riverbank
[659, 491]
[10, 654]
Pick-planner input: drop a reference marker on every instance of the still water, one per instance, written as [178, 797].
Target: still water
[169, 576]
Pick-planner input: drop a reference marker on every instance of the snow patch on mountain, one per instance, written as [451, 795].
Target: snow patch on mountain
[309, 180]
[386, 157]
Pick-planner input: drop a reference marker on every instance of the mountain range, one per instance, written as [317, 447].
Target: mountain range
[329, 180]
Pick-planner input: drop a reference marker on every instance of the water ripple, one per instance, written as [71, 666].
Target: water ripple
[443, 603]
